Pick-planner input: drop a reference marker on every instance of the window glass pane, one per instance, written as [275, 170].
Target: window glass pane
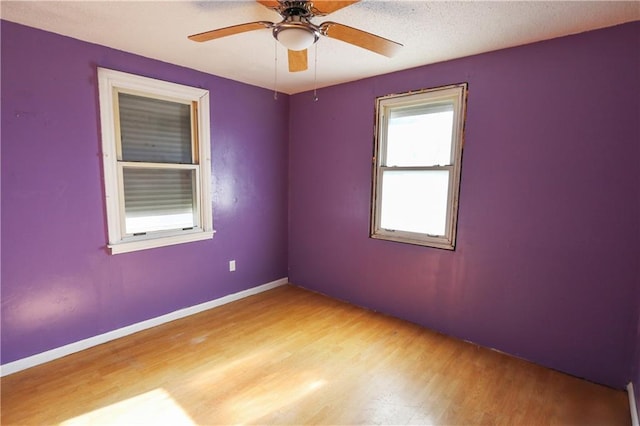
[158, 199]
[415, 201]
[420, 136]
[154, 130]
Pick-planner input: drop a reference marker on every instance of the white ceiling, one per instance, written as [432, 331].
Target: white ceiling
[431, 31]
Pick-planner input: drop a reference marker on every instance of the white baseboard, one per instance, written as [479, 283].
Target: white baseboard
[50, 355]
[632, 405]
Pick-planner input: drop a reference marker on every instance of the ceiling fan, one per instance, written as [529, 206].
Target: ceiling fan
[296, 31]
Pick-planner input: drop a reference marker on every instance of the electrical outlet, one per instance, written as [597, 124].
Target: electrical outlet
[232, 265]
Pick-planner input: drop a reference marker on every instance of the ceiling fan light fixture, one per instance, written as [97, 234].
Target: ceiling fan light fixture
[295, 37]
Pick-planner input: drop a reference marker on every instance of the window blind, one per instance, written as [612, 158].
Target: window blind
[421, 109]
[158, 199]
[154, 130]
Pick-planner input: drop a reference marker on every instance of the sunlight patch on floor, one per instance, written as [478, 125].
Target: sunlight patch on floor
[156, 407]
[233, 368]
[258, 385]
[250, 406]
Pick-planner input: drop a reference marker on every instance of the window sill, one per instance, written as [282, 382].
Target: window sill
[439, 243]
[145, 244]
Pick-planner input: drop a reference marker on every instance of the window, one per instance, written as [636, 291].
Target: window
[157, 166]
[419, 138]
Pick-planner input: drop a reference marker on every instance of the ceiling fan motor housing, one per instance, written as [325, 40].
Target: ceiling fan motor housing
[296, 8]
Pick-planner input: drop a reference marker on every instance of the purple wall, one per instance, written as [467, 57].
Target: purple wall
[546, 264]
[59, 285]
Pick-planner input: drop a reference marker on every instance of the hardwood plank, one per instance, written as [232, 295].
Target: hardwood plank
[290, 356]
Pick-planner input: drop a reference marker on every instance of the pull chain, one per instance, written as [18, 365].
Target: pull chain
[315, 75]
[275, 78]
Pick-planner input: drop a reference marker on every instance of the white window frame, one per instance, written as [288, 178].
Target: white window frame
[457, 94]
[110, 83]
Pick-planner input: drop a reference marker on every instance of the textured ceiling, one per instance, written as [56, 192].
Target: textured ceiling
[431, 31]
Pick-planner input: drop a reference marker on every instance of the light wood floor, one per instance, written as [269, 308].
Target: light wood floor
[289, 356]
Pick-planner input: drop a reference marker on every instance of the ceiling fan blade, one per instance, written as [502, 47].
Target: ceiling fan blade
[360, 38]
[227, 31]
[269, 3]
[322, 7]
[298, 60]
